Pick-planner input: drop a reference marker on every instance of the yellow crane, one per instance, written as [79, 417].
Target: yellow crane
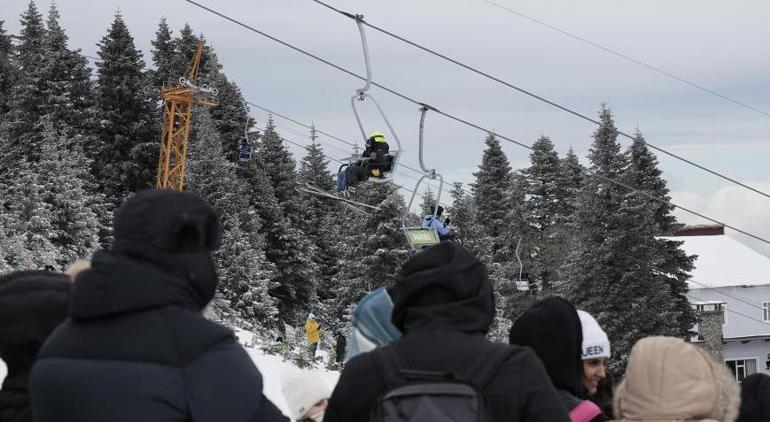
[175, 131]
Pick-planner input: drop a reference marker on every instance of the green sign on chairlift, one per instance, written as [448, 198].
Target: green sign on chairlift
[419, 237]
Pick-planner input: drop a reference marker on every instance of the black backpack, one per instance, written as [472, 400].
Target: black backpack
[428, 396]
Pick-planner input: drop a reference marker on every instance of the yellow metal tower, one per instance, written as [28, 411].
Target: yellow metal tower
[175, 133]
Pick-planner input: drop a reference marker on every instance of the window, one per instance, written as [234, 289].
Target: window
[765, 311]
[742, 368]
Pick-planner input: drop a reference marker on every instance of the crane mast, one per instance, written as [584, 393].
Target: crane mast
[175, 130]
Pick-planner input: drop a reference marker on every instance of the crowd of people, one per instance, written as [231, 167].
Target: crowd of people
[123, 338]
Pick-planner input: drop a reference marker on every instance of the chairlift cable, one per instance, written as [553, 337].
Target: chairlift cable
[467, 123]
[545, 100]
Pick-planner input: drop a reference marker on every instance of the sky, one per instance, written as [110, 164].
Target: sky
[720, 45]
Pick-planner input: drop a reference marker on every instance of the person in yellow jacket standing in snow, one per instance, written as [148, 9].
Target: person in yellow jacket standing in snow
[313, 332]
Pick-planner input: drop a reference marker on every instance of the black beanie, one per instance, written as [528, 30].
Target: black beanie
[445, 286]
[175, 231]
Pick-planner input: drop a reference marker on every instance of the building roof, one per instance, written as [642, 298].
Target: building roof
[723, 261]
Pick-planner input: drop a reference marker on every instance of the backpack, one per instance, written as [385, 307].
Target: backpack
[428, 396]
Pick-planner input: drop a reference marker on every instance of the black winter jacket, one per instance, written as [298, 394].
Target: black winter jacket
[136, 348]
[444, 304]
[32, 304]
[552, 328]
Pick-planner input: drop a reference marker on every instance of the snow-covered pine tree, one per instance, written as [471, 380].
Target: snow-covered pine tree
[8, 70]
[322, 224]
[491, 191]
[126, 152]
[376, 246]
[610, 271]
[287, 248]
[163, 54]
[244, 271]
[67, 88]
[672, 265]
[26, 97]
[428, 201]
[280, 169]
[26, 222]
[463, 218]
[542, 212]
[63, 172]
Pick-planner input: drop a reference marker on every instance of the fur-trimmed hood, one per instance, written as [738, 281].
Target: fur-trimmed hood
[668, 380]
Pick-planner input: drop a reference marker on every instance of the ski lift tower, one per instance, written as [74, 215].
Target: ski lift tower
[175, 131]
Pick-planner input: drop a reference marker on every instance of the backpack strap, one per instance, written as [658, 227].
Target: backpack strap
[586, 411]
[488, 364]
[389, 363]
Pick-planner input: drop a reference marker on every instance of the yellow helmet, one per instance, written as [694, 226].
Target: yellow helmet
[377, 136]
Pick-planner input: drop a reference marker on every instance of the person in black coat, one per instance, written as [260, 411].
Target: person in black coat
[32, 304]
[551, 327]
[136, 346]
[755, 399]
[444, 305]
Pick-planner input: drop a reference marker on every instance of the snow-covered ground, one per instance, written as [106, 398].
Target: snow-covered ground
[271, 367]
[3, 372]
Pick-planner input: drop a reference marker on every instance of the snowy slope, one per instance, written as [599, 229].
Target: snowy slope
[271, 368]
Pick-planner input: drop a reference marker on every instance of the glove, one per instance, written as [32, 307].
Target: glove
[447, 222]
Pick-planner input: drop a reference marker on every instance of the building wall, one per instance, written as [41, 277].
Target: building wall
[748, 349]
[738, 325]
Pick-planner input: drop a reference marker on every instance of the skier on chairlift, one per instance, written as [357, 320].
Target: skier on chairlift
[375, 161]
[438, 224]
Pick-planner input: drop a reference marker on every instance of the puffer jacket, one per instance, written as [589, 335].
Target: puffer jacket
[668, 380]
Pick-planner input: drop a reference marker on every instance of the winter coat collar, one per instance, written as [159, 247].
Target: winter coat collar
[670, 380]
[117, 285]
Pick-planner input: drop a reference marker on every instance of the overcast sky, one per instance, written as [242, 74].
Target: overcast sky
[721, 45]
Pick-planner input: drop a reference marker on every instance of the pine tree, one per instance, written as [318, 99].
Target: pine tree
[279, 167]
[286, 246]
[672, 265]
[542, 212]
[611, 273]
[244, 272]
[428, 202]
[376, 247]
[62, 177]
[491, 192]
[8, 70]
[26, 97]
[163, 55]
[464, 220]
[125, 156]
[67, 88]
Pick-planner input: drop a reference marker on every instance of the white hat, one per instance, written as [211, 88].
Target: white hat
[595, 341]
[302, 390]
[311, 316]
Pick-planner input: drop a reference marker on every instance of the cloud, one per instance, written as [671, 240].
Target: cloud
[733, 205]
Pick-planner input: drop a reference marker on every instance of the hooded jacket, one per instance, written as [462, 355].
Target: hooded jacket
[551, 327]
[136, 346]
[444, 305]
[32, 304]
[668, 380]
[755, 399]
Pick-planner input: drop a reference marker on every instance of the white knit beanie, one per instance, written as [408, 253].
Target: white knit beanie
[302, 390]
[595, 341]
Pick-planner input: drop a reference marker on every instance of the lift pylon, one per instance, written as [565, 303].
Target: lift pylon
[175, 131]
